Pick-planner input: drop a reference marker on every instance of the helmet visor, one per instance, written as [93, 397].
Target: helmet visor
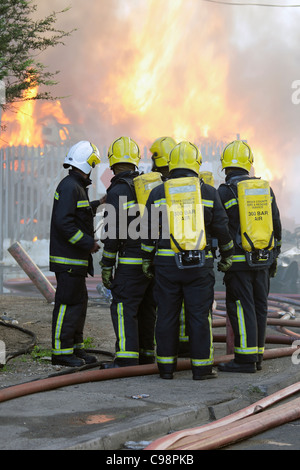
[94, 159]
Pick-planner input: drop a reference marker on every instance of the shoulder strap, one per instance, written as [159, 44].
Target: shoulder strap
[129, 181]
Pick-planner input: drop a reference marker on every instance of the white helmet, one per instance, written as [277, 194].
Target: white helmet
[84, 155]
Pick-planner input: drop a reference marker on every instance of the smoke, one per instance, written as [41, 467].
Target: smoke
[186, 68]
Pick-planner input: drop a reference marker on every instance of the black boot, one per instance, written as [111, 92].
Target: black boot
[82, 354]
[68, 360]
[109, 365]
[233, 366]
[259, 362]
[205, 375]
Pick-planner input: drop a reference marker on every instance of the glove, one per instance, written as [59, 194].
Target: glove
[107, 277]
[273, 269]
[147, 267]
[225, 264]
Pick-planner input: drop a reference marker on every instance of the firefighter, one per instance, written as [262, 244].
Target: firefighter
[72, 244]
[195, 285]
[132, 309]
[160, 150]
[247, 287]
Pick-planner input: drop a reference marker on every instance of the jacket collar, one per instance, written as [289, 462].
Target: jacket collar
[239, 172]
[79, 177]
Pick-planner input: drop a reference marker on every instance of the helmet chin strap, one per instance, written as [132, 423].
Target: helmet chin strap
[81, 172]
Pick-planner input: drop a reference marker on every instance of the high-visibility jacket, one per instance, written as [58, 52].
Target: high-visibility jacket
[118, 243]
[230, 203]
[72, 226]
[215, 220]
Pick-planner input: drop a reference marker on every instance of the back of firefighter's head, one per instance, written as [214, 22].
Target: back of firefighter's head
[124, 154]
[84, 156]
[185, 156]
[237, 154]
[160, 150]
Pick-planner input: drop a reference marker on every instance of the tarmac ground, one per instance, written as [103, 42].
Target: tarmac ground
[131, 411]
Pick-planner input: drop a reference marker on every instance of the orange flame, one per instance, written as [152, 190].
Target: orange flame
[25, 121]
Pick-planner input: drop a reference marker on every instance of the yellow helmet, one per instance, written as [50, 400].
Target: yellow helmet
[124, 150]
[161, 149]
[237, 154]
[185, 155]
[207, 177]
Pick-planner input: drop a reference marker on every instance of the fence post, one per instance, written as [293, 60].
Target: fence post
[32, 271]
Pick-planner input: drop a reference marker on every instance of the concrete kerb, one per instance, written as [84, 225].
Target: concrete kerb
[145, 426]
[163, 422]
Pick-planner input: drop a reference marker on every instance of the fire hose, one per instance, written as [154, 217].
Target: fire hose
[287, 338]
[237, 426]
[52, 383]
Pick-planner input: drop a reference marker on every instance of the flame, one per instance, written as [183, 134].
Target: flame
[159, 72]
[261, 167]
[25, 121]
[161, 86]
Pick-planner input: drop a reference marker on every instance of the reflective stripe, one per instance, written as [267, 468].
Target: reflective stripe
[166, 359]
[147, 352]
[130, 261]
[83, 203]
[238, 258]
[160, 202]
[75, 262]
[58, 327]
[201, 362]
[109, 254]
[78, 235]
[210, 359]
[147, 248]
[166, 252]
[253, 350]
[241, 323]
[243, 348]
[129, 204]
[127, 354]
[121, 327]
[227, 247]
[122, 353]
[183, 337]
[207, 203]
[56, 195]
[230, 203]
[58, 352]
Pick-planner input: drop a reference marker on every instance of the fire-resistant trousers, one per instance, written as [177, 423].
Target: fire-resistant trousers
[247, 309]
[133, 314]
[196, 287]
[69, 313]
